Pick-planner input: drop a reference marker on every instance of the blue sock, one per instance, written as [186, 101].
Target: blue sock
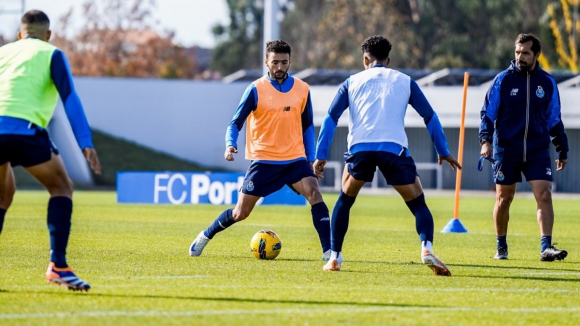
[546, 242]
[222, 222]
[502, 241]
[2, 214]
[321, 220]
[339, 221]
[423, 218]
[59, 222]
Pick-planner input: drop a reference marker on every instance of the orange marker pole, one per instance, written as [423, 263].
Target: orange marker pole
[460, 151]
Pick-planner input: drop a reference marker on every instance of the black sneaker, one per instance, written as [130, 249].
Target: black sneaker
[501, 253]
[551, 254]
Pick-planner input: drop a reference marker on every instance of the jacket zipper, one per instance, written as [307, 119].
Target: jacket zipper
[527, 113]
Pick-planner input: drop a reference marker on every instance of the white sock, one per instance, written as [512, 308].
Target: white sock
[426, 245]
[333, 254]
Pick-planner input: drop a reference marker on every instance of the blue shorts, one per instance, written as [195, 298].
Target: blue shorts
[397, 170]
[26, 150]
[508, 172]
[263, 179]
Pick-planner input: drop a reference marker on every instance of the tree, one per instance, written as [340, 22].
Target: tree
[118, 40]
[565, 27]
[328, 34]
[242, 49]
[426, 34]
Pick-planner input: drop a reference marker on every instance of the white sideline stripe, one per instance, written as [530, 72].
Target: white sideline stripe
[165, 313]
[156, 277]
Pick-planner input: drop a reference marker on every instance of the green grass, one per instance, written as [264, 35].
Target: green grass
[135, 257]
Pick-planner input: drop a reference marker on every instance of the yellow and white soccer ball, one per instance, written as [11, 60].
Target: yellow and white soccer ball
[266, 244]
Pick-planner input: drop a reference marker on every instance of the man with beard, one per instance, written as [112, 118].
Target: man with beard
[519, 118]
[280, 144]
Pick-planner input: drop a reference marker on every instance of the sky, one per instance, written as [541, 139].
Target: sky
[190, 19]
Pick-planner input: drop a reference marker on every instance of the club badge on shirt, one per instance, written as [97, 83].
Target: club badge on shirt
[540, 92]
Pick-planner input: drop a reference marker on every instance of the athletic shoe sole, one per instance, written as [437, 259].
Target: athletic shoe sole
[436, 265]
[69, 280]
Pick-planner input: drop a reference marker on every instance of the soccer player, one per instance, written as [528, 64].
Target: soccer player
[378, 98]
[33, 73]
[520, 115]
[279, 143]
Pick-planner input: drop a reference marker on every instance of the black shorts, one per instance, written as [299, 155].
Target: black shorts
[508, 173]
[398, 170]
[26, 150]
[263, 179]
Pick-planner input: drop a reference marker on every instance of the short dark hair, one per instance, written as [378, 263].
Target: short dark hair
[278, 46]
[526, 37]
[35, 17]
[377, 46]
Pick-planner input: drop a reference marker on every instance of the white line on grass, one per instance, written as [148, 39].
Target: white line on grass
[157, 277]
[350, 310]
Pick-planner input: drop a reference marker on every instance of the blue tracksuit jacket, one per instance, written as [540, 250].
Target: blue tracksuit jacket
[521, 115]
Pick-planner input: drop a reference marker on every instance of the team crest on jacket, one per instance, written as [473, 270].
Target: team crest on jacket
[500, 176]
[250, 186]
[540, 92]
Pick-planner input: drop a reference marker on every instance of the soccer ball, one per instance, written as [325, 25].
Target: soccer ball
[265, 244]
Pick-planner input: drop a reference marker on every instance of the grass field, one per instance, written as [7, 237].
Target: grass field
[135, 258]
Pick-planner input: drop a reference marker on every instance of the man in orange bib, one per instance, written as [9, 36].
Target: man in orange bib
[280, 144]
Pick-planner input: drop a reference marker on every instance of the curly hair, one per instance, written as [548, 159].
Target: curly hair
[377, 46]
[278, 46]
[526, 37]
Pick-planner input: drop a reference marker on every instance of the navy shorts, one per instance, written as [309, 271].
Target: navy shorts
[263, 179]
[397, 170]
[26, 150]
[508, 173]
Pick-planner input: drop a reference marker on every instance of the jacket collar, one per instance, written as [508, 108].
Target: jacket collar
[514, 67]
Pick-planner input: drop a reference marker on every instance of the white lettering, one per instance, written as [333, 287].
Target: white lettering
[158, 188]
[216, 193]
[199, 187]
[170, 187]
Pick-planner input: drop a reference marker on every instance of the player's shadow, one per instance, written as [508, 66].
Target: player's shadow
[527, 268]
[400, 263]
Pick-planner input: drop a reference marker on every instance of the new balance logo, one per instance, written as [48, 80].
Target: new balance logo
[548, 171]
[287, 108]
[514, 92]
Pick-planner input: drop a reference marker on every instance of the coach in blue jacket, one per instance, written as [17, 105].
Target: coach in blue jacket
[520, 116]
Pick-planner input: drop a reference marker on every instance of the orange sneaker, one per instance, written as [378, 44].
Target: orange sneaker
[65, 277]
[435, 264]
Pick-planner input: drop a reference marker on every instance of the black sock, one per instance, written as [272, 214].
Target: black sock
[222, 222]
[59, 223]
[321, 221]
[423, 218]
[340, 219]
